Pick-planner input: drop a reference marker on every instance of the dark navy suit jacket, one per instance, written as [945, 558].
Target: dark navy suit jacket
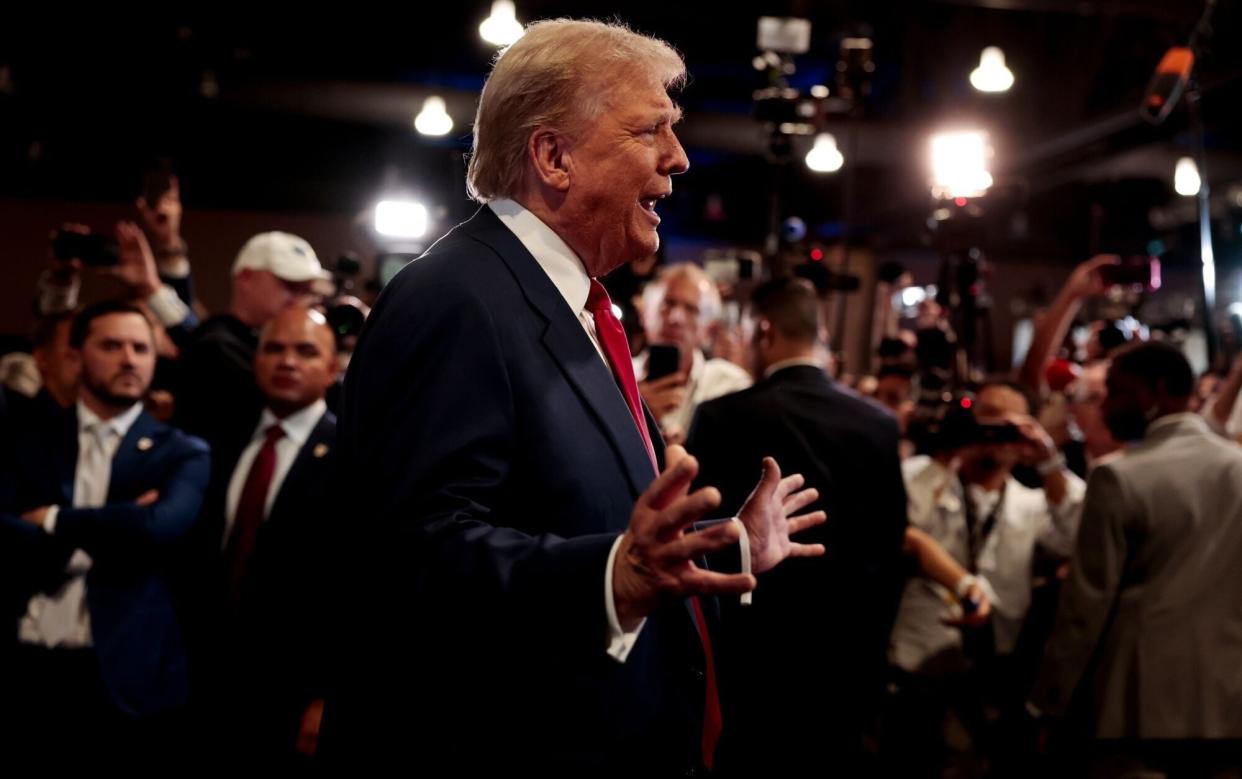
[135, 632]
[492, 462]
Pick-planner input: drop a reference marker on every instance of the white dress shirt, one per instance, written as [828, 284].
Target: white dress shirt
[1025, 520]
[570, 278]
[62, 619]
[298, 427]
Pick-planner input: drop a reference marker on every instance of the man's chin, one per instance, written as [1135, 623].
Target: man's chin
[121, 398]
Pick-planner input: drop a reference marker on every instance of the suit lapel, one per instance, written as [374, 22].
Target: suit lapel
[317, 446]
[570, 347]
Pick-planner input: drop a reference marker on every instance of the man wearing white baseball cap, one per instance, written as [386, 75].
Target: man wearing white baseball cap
[217, 396]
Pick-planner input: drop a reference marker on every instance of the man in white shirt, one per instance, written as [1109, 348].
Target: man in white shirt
[94, 507]
[679, 309]
[968, 501]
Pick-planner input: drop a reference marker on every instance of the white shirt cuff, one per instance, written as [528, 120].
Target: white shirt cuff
[990, 592]
[619, 642]
[743, 543]
[177, 267]
[49, 522]
[57, 299]
[170, 309]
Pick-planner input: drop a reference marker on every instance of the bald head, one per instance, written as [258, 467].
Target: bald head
[679, 307]
[296, 362]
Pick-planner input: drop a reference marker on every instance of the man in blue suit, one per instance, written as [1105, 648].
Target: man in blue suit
[93, 509]
[527, 597]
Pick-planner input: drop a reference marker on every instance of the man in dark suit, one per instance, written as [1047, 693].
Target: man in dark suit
[93, 506]
[258, 650]
[838, 609]
[525, 599]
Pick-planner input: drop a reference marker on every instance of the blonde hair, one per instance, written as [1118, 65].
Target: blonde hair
[558, 74]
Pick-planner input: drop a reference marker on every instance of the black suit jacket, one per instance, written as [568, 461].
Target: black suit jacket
[217, 399]
[493, 463]
[135, 632]
[264, 655]
[801, 667]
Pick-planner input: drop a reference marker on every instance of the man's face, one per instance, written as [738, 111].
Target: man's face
[619, 166]
[991, 407]
[118, 359]
[678, 316]
[296, 361]
[267, 294]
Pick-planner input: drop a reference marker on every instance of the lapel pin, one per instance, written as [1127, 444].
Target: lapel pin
[320, 450]
[144, 444]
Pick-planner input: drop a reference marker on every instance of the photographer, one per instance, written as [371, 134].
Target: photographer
[966, 498]
[149, 260]
[679, 308]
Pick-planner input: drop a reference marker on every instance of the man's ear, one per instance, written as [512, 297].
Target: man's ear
[547, 150]
[763, 331]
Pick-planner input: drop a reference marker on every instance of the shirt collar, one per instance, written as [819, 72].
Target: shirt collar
[120, 424]
[298, 426]
[781, 365]
[1175, 419]
[562, 265]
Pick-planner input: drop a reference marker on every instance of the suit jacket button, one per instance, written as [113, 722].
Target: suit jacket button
[698, 673]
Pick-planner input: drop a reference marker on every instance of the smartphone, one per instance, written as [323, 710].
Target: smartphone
[662, 360]
[95, 250]
[1138, 273]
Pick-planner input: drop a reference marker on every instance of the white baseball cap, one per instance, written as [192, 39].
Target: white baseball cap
[287, 256]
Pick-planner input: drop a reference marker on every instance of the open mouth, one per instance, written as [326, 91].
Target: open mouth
[649, 203]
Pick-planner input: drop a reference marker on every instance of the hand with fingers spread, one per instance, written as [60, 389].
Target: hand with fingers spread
[768, 516]
[656, 556]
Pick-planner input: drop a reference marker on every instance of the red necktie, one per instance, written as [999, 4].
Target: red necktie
[251, 509]
[616, 347]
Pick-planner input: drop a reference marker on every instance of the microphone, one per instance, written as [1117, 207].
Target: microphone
[1167, 83]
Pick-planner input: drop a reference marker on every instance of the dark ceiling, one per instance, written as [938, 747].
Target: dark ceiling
[313, 111]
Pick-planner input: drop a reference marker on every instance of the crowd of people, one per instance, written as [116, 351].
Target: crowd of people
[519, 533]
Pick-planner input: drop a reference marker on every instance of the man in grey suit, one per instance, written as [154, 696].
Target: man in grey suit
[1148, 638]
